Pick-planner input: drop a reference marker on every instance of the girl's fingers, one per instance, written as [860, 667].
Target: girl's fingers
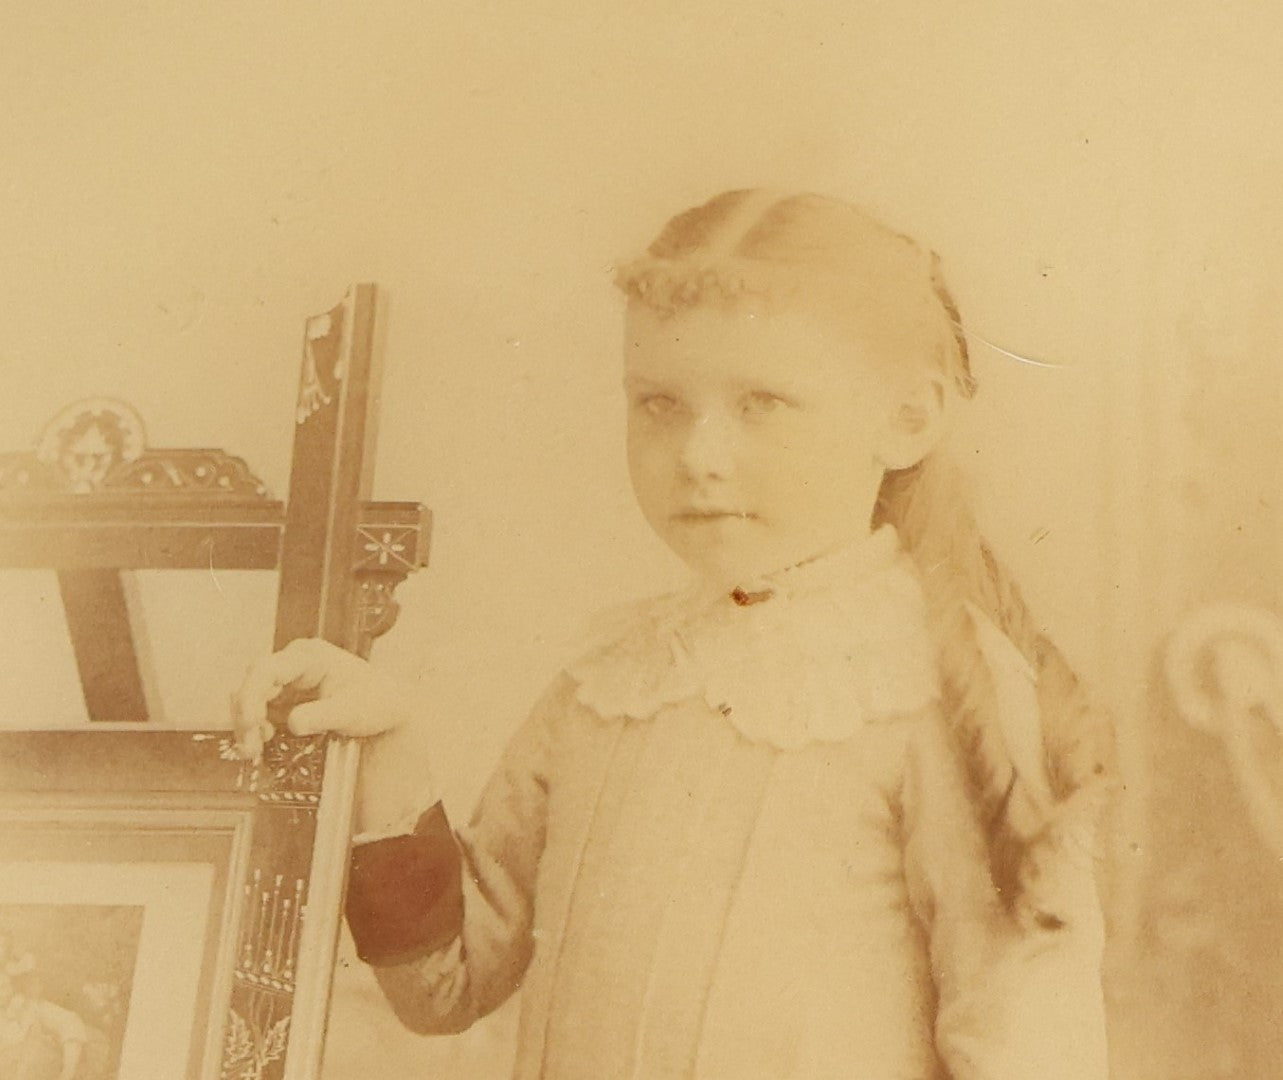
[264, 682]
[324, 714]
[249, 702]
[249, 740]
[307, 663]
[303, 665]
[250, 737]
[363, 709]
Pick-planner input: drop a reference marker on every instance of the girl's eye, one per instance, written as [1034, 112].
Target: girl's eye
[760, 403]
[657, 405]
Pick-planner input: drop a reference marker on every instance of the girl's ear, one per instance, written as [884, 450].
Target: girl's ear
[915, 426]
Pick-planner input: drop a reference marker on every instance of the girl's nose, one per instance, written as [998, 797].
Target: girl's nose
[709, 448]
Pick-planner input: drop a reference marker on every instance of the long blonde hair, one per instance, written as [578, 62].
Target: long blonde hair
[827, 257]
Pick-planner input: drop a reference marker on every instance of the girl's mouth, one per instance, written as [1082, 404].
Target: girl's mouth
[697, 517]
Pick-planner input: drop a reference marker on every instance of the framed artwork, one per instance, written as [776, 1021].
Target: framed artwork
[181, 902]
[168, 909]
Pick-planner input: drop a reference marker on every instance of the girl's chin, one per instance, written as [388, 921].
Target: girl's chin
[728, 575]
[724, 561]
[727, 570]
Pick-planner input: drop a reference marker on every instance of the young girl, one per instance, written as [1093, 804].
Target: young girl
[828, 813]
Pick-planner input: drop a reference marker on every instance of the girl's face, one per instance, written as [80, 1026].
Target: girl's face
[755, 442]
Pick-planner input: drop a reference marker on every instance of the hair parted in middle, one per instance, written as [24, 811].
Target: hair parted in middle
[767, 251]
[810, 253]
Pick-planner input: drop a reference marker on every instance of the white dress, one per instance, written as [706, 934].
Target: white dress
[734, 842]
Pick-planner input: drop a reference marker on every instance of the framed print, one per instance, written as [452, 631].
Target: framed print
[176, 900]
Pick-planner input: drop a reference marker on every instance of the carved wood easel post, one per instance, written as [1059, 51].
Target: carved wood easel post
[326, 535]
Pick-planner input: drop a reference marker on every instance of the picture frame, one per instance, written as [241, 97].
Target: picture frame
[237, 867]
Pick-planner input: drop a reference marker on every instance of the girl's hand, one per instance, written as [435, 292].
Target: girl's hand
[323, 687]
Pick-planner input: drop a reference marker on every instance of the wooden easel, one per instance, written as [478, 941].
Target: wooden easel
[91, 502]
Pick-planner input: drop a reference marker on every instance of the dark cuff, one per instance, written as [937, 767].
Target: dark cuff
[405, 893]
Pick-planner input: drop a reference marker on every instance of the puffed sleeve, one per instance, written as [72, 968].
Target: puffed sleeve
[445, 916]
[1013, 1003]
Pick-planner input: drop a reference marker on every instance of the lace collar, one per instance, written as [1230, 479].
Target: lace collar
[802, 656]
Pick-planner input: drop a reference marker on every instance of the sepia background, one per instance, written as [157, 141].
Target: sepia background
[181, 184]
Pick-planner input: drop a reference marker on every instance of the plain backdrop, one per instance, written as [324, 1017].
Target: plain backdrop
[182, 184]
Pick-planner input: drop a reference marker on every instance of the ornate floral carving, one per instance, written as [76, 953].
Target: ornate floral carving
[389, 548]
[253, 1046]
[391, 543]
[274, 914]
[99, 445]
[377, 606]
[203, 471]
[290, 770]
[323, 366]
[87, 439]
